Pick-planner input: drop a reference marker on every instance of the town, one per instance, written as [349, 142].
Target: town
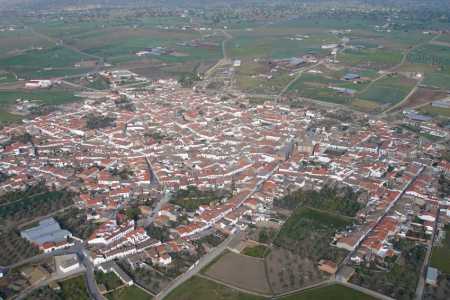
[229, 150]
[167, 175]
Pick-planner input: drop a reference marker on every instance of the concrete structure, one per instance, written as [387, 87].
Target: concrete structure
[432, 275]
[48, 230]
[67, 263]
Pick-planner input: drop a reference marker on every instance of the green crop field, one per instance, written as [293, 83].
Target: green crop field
[440, 255]
[256, 251]
[55, 57]
[304, 220]
[74, 289]
[52, 96]
[331, 292]
[438, 79]
[373, 58]
[431, 54]
[202, 289]
[391, 89]
[128, 293]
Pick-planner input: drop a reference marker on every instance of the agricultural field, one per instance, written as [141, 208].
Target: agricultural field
[421, 97]
[288, 270]
[440, 256]
[52, 96]
[260, 251]
[15, 248]
[435, 111]
[46, 97]
[109, 280]
[372, 58]
[330, 292]
[199, 288]
[438, 80]
[431, 54]
[240, 271]
[74, 289]
[389, 90]
[128, 293]
[32, 206]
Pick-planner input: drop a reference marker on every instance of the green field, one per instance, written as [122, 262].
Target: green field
[431, 54]
[128, 293]
[330, 293]
[435, 111]
[74, 289]
[440, 255]
[260, 251]
[438, 79]
[305, 219]
[55, 57]
[373, 58]
[202, 289]
[109, 280]
[52, 96]
[390, 89]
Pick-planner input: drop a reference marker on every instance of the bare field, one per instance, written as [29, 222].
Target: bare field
[287, 271]
[240, 271]
[422, 96]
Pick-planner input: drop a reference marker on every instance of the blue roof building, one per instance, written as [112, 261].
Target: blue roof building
[48, 230]
[351, 76]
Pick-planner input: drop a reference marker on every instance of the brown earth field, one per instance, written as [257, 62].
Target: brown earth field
[240, 271]
[422, 96]
[287, 271]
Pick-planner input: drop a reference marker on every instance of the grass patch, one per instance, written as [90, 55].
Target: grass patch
[435, 111]
[305, 219]
[52, 96]
[192, 197]
[129, 293]
[331, 292]
[375, 58]
[440, 255]
[74, 289]
[439, 80]
[110, 280]
[56, 57]
[260, 251]
[202, 289]
[390, 89]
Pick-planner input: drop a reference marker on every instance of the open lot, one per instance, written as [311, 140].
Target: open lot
[128, 293]
[240, 271]
[440, 256]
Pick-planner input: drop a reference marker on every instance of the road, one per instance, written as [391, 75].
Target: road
[164, 199]
[81, 252]
[423, 270]
[225, 60]
[404, 100]
[200, 264]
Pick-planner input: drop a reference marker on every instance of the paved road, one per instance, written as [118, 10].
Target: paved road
[200, 264]
[81, 252]
[164, 199]
[423, 270]
[91, 284]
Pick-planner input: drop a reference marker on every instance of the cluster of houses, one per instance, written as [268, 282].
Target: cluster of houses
[175, 138]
